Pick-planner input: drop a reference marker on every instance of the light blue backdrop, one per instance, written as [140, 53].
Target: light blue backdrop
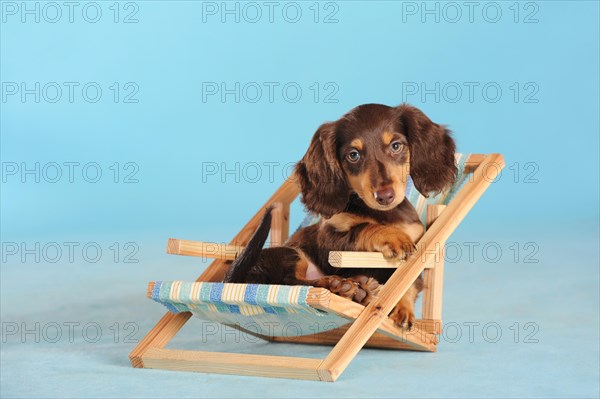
[186, 93]
[369, 55]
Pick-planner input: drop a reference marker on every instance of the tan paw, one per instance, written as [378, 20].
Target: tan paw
[404, 314]
[394, 246]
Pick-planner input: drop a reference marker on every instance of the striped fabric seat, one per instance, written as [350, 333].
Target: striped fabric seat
[275, 310]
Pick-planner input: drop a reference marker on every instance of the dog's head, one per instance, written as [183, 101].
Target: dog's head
[371, 151]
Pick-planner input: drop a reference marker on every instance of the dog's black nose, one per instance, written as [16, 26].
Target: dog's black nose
[385, 196]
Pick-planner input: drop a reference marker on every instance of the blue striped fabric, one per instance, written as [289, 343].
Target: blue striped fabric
[276, 310]
[181, 296]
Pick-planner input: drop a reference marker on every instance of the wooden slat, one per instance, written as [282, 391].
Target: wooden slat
[233, 363]
[331, 337]
[285, 233]
[376, 313]
[433, 213]
[319, 297]
[416, 339]
[362, 260]
[203, 249]
[159, 336]
[474, 161]
[170, 323]
[279, 224]
[433, 278]
[430, 326]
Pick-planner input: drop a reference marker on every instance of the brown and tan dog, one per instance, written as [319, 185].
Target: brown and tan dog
[354, 175]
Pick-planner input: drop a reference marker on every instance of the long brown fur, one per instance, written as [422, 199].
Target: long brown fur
[354, 174]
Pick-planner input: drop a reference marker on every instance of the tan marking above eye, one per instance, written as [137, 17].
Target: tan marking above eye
[357, 143]
[387, 137]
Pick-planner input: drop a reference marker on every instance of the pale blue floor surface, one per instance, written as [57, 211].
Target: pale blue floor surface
[559, 296]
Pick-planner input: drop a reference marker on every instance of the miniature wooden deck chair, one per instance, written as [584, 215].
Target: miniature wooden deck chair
[348, 325]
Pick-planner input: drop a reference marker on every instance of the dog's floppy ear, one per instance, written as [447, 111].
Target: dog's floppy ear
[432, 164]
[321, 178]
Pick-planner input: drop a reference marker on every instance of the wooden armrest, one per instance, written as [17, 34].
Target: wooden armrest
[364, 260]
[203, 249]
[341, 259]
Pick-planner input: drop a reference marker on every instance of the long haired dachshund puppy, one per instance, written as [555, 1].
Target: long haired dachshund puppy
[354, 175]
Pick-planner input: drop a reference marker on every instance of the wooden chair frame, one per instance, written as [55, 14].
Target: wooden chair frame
[370, 325]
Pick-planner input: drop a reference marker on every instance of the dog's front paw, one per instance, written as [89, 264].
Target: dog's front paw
[393, 244]
[404, 314]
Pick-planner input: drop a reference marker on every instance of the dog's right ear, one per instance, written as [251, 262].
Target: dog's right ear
[322, 180]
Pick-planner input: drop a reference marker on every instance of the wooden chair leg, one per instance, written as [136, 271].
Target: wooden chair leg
[234, 363]
[432, 296]
[434, 279]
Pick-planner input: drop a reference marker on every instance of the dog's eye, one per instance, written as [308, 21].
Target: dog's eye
[353, 156]
[396, 147]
